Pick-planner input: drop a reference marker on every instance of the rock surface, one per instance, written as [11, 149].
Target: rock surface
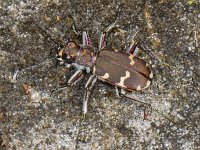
[170, 30]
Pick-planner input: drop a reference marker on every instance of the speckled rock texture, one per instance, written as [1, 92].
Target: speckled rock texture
[169, 29]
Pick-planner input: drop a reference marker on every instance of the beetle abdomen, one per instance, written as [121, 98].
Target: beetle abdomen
[123, 70]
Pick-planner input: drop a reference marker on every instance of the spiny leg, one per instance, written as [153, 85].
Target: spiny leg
[138, 44]
[102, 42]
[86, 39]
[142, 46]
[122, 94]
[76, 77]
[89, 85]
[133, 47]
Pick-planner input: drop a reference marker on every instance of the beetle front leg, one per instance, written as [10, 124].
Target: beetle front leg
[72, 81]
[89, 85]
[76, 77]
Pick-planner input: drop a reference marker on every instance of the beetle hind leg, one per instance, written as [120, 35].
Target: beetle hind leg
[147, 106]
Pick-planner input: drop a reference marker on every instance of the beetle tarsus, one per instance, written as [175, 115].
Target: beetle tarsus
[57, 89]
[83, 115]
[146, 114]
[85, 101]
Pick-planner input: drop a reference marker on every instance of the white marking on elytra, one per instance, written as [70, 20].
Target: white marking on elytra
[105, 76]
[147, 85]
[138, 88]
[122, 79]
[131, 58]
[151, 75]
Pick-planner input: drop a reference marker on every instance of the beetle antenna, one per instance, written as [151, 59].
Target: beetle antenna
[17, 72]
[54, 41]
[144, 48]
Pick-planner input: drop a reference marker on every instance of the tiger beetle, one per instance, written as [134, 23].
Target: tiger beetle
[124, 70]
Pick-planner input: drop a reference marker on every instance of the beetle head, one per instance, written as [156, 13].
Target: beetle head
[68, 54]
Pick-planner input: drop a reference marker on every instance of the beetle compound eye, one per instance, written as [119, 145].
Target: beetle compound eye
[71, 45]
[68, 59]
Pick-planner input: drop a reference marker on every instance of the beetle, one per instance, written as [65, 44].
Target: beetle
[124, 70]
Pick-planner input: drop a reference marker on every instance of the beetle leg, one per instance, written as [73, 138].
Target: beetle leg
[133, 48]
[57, 89]
[86, 39]
[88, 87]
[76, 77]
[146, 105]
[146, 114]
[102, 42]
[110, 28]
[117, 91]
